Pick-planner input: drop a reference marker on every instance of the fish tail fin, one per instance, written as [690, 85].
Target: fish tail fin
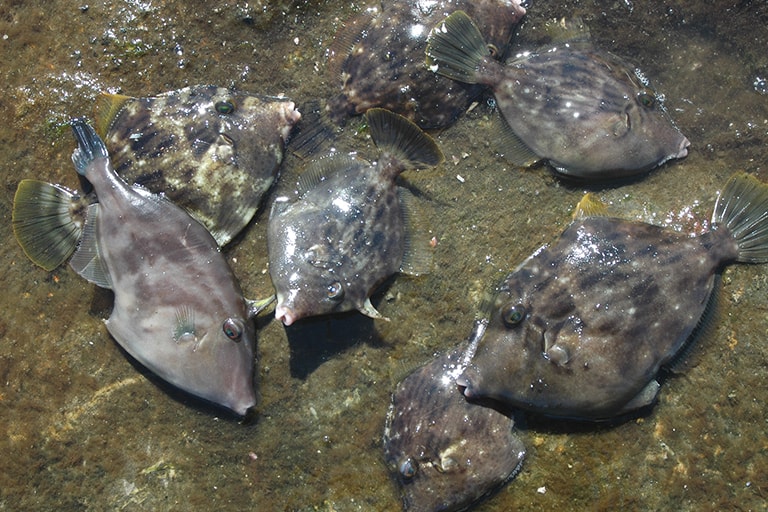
[89, 145]
[397, 136]
[455, 48]
[45, 222]
[743, 208]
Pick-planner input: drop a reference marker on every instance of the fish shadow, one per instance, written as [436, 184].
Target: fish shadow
[312, 341]
[538, 422]
[187, 399]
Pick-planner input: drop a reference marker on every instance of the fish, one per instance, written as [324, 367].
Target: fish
[178, 308]
[582, 109]
[583, 328]
[378, 59]
[211, 150]
[344, 231]
[444, 452]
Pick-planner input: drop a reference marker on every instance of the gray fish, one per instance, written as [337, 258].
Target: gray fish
[345, 233]
[379, 57]
[582, 109]
[213, 151]
[178, 309]
[447, 453]
[582, 328]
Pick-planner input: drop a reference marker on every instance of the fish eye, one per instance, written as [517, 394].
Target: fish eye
[512, 314]
[233, 329]
[225, 107]
[408, 468]
[335, 291]
[493, 51]
[646, 99]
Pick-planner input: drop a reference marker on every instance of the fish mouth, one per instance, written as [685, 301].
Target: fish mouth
[683, 148]
[285, 314]
[249, 415]
[465, 386]
[290, 116]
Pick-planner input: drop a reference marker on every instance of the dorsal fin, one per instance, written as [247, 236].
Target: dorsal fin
[313, 133]
[87, 260]
[107, 108]
[322, 168]
[398, 137]
[568, 30]
[350, 33]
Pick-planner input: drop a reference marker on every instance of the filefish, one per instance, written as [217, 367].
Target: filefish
[583, 327]
[379, 59]
[580, 108]
[447, 453]
[178, 308]
[345, 232]
[213, 151]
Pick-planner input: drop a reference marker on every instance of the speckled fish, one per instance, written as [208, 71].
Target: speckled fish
[379, 57]
[582, 328]
[583, 110]
[447, 453]
[178, 309]
[345, 232]
[213, 151]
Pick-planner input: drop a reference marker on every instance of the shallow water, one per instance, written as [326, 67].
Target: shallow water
[85, 429]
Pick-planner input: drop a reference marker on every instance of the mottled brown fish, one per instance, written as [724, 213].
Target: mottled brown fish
[447, 453]
[379, 56]
[345, 232]
[581, 109]
[213, 151]
[582, 328]
[178, 308]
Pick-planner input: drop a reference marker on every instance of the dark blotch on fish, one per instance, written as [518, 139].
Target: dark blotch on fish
[213, 151]
[379, 57]
[582, 328]
[346, 231]
[447, 453]
[582, 109]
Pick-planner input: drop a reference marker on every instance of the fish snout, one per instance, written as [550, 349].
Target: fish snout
[285, 314]
[289, 118]
[464, 382]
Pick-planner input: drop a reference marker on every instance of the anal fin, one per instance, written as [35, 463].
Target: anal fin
[417, 256]
[510, 145]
